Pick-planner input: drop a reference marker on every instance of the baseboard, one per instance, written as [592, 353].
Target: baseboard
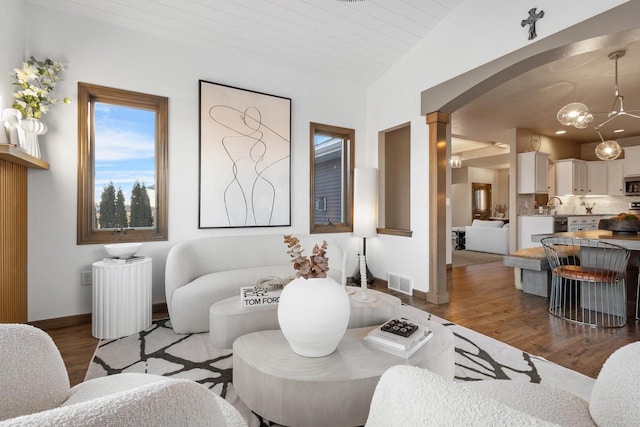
[81, 319]
[420, 294]
[62, 322]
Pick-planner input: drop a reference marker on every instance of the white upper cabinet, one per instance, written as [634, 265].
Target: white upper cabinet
[615, 177]
[632, 161]
[533, 173]
[571, 177]
[597, 178]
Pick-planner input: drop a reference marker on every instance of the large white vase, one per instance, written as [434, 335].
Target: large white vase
[32, 129]
[313, 315]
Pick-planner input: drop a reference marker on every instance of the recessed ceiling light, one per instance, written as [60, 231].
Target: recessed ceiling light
[618, 130]
[561, 132]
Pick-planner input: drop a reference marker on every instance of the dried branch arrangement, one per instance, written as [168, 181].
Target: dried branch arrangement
[315, 266]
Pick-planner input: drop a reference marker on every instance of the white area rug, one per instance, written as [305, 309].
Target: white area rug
[159, 350]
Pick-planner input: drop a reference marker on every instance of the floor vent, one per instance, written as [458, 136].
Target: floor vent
[400, 283]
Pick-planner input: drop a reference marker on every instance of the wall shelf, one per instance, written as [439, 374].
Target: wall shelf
[13, 154]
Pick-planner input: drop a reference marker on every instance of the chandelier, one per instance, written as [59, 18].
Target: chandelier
[577, 115]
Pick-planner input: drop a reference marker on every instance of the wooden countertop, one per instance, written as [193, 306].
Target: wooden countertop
[629, 242]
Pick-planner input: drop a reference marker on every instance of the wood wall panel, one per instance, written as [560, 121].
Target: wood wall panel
[13, 242]
[14, 164]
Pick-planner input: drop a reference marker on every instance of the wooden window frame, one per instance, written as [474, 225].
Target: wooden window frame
[348, 156]
[88, 94]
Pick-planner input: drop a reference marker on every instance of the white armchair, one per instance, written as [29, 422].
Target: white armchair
[407, 396]
[34, 391]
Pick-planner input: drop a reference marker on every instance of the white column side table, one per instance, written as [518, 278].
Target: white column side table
[121, 298]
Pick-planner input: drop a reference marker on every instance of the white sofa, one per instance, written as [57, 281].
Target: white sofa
[487, 236]
[34, 391]
[407, 396]
[203, 271]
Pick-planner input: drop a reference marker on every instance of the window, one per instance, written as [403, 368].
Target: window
[122, 165]
[332, 162]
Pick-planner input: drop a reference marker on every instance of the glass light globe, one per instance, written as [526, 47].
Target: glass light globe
[608, 150]
[575, 114]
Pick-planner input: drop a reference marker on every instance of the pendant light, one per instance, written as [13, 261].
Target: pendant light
[577, 114]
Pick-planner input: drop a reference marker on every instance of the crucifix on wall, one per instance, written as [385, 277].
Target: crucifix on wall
[531, 21]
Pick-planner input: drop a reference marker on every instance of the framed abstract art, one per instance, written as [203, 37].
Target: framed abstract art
[245, 158]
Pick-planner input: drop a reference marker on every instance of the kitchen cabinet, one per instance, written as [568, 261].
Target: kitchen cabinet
[597, 178]
[530, 225]
[533, 173]
[632, 161]
[571, 177]
[615, 177]
[583, 223]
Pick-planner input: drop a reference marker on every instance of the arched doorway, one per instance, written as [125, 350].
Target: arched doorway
[439, 102]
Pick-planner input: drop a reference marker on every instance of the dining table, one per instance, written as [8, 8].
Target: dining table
[631, 242]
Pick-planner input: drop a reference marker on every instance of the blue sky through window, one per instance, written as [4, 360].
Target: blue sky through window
[124, 148]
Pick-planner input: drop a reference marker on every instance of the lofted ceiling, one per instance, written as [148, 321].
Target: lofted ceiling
[361, 40]
[357, 40]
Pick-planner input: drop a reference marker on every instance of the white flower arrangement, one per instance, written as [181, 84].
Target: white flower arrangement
[36, 79]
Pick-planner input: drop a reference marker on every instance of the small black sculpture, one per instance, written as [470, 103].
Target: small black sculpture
[531, 21]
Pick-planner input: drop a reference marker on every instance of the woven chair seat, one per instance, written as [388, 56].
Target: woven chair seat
[577, 272]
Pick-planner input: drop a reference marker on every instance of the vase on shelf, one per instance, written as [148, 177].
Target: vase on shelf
[314, 315]
[32, 129]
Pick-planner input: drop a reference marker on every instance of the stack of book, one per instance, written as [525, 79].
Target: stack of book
[252, 296]
[399, 337]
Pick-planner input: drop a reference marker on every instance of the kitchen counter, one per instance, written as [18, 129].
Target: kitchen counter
[562, 215]
[631, 243]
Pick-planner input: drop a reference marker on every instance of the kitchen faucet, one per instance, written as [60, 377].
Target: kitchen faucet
[554, 197]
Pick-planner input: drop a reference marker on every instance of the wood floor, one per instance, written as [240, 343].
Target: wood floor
[482, 298]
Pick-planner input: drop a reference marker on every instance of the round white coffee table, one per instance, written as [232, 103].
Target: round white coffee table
[228, 319]
[293, 390]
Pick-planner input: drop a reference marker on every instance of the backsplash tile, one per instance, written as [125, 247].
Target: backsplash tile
[572, 205]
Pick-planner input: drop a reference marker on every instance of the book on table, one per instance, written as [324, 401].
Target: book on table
[253, 296]
[396, 343]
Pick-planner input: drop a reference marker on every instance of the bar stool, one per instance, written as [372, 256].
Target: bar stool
[587, 281]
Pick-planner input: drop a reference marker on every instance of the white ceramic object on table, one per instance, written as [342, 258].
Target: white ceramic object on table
[122, 250]
[313, 315]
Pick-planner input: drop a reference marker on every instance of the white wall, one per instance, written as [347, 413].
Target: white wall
[101, 54]
[460, 197]
[501, 194]
[462, 192]
[458, 44]
[12, 33]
